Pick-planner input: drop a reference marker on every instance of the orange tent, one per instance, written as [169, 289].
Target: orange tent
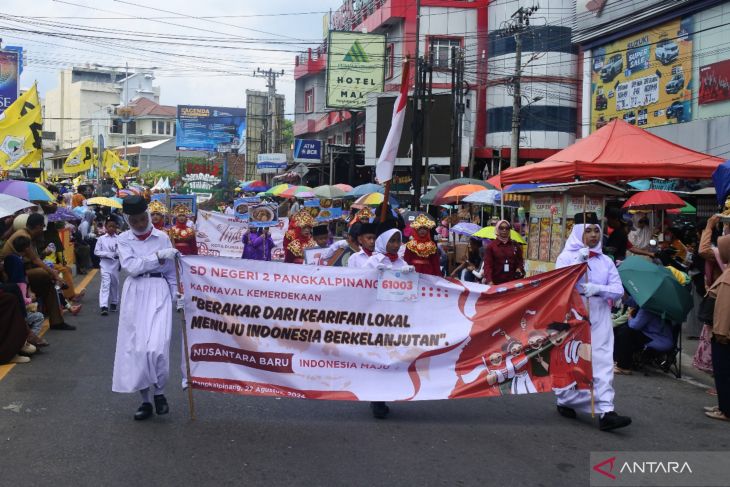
[617, 152]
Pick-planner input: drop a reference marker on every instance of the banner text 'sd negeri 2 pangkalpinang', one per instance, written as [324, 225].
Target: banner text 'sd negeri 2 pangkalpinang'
[274, 329]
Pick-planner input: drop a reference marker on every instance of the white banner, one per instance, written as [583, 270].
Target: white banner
[268, 328]
[221, 235]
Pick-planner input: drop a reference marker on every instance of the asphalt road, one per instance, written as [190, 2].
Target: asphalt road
[60, 424]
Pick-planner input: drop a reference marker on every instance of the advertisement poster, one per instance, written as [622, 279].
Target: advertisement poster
[202, 128]
[714, 82]
[644, 79]
[355, 67]
[311, 332]
[221, 235]
[8, 78]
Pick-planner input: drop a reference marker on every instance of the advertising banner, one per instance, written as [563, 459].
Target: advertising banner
[715, 82]
[355, 67]
[9, 61]
[270, 163]
[203, 128]
[644, 79]
[274, 329]
[221, 235]
[307, 150]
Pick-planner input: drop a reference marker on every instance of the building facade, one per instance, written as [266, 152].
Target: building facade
[663, 66]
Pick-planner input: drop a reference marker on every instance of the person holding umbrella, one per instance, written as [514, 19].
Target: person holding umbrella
[603, 285]
[503, 260]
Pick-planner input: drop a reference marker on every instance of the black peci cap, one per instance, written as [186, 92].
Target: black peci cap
[368, 228]
[320, 230]
[134, 205]
[590, 218]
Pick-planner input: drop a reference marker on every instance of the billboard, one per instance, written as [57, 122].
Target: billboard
[644, 79]
[714, 82]
[9, 61]
[202, 128]
[355, 67]
[307, 150]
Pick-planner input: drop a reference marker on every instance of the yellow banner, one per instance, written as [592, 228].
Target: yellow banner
[114, 166]
[21, 126]
[644, 79]
[80, 159]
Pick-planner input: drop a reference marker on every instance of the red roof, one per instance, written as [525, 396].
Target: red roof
[617, 152]
[145, 107]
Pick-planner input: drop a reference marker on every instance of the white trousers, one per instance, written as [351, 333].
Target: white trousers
[109, 289]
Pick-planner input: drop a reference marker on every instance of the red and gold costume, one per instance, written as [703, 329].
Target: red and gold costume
[422, 253]
[295, 243]
[182, 236]
[159, 208]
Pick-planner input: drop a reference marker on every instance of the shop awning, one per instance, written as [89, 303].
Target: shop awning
[617, 152]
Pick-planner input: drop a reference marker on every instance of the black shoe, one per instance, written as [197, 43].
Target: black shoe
[113, 308]
[161, 406]
[380, 409]
[104, 311]
[144, 412]
[567, 412]
[612, 421]
[62, 326]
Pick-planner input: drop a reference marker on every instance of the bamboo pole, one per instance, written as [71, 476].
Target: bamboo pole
[191, 404]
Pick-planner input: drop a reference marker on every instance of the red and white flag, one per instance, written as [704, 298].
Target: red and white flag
[386, 161]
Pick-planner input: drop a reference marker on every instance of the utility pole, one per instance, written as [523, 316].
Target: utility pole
[271, 125]
[417, 124]
[519, 23]
[353, 148]
[457, 110]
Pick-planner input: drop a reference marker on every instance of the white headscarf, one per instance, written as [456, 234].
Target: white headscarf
[575, 240]
[640, 237]
[381, 242]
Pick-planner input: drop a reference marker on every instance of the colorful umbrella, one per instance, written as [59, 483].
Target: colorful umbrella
[278, 189]
[465, 228]
[365, 189]
[442, 188]
[102, 201]
[123, 193]
[457, 193]
[25, 190]
[329, 192]
[10, 205]
[685, 210]
[373, 199]
[344, 187]
[495, 181]
[62, 214]
[490, 233]
[655, 289]
[654, 199]
[297, 192]
[256, 186]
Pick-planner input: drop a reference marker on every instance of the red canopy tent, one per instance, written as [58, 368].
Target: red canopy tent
[617, 152]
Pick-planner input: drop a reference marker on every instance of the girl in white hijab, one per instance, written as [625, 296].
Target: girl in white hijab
[386, 255]
[602, 286]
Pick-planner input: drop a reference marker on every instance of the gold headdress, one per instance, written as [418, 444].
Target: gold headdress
[303, 219]
[181, 210]
[157, 207]
[422, 221]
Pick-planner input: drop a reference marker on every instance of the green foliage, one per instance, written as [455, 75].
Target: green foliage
[150, 177]
[287, 133]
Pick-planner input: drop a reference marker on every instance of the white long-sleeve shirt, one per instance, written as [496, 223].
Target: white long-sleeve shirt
[106, 250]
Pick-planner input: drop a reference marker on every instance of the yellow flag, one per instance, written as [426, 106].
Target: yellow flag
[114, 166]
[21, 125]
[80, 159]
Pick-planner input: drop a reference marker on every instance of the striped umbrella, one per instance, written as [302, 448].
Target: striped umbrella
[297, 192]
[25, 190]
[278, 189]
[256, 186]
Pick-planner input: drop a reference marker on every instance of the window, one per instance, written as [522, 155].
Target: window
[160, 127]
[309, 101]
[360, 135]
[154, 126]
[347, 138]
[441, 50]
[389, 61]
[167, 128]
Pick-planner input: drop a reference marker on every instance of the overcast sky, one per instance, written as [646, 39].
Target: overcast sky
[200, 61]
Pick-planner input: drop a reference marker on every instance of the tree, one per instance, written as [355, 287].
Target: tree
[287, 133]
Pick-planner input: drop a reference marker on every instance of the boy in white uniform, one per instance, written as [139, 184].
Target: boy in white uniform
[106, 250]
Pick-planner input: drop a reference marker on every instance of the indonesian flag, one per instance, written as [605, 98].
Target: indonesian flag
[386, 161]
